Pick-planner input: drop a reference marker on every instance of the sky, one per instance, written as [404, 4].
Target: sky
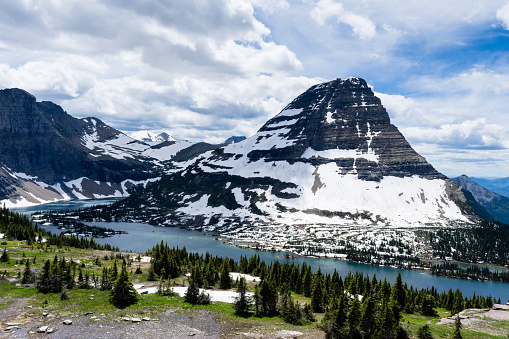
[206, 70]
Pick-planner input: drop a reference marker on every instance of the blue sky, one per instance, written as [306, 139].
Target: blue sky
[206, 70]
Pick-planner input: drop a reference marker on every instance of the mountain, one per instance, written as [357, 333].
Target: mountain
[496, 204]
[331, 156]
[48, 155]
[499, 186]
[234, 139]
[150, 137]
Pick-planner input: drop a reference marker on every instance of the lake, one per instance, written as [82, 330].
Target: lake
[142, 237]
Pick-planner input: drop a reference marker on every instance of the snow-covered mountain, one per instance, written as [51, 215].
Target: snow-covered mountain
[48, 155]
[331, 156]
[150, 136]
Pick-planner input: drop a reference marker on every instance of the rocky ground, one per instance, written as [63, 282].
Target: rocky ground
[17, 321]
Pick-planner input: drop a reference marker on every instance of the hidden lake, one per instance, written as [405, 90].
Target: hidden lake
[141, 237]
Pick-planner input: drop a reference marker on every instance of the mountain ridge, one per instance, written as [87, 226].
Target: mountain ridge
[495, 204]
[48, 155]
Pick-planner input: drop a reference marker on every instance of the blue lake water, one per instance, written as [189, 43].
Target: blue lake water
[142, 237]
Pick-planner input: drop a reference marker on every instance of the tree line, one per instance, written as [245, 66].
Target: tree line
[19, 227]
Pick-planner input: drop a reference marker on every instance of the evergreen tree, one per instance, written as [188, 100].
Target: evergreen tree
[44, 283]
[5, 256]
[457, 328]
[224, 275]
[268, 297]
[192, 293]
[151, 275]
[123, 293]
[257, 299]
[367, 321]
[424, 332]
[242, 302]
[317, 295]
[27, 274]
[353, 317]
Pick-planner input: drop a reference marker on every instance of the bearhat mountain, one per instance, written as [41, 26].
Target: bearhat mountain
[331, 156]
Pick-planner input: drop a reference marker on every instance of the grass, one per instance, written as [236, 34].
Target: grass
[93, 300]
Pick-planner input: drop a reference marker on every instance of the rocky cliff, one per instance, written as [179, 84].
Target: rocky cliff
[47, 155]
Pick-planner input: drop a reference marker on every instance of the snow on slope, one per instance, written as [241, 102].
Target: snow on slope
[155, 137]
[341, 161]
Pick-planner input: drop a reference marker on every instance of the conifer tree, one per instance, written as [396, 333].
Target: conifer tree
[224, 275]
[367, 321]
[424, 332]
[27, 274]
[44, 283]
[353, 317]
[192, 293]
[317, 295]
[5, 256]
[457, 328]
[243, 301]
[123, 293]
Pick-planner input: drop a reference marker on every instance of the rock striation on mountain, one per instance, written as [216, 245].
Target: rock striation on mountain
[331, 156]
[48, 155]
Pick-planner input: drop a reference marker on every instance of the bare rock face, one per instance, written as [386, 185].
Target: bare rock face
[345, 115]
[40, 140]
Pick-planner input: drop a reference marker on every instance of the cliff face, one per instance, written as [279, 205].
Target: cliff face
[331, 156]
[40, 140]
[343, 119]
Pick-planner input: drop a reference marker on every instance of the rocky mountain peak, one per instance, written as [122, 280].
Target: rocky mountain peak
[341, 121]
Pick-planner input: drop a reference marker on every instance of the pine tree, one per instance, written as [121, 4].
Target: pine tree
[224, 275]
[257, 299]
[151, 275]
[242, 302]
[123, 293]
[353, 317]
[367, 320]
[27, 274]
[424, 332]
[5, 256]
[268, 297]
[44, 283]
[317, 296]
[457, 327]
[192, 293]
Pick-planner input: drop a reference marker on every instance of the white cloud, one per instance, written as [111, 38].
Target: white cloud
[503, 16]
[361, 26]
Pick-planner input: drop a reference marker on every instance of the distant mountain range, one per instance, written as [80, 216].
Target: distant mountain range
[48, 155]
[496, 204]
[500, 185]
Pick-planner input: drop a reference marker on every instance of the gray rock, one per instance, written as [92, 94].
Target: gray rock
[42, 329]
[8, 328]
[145, 319]
[135, 320]
[67, 322]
